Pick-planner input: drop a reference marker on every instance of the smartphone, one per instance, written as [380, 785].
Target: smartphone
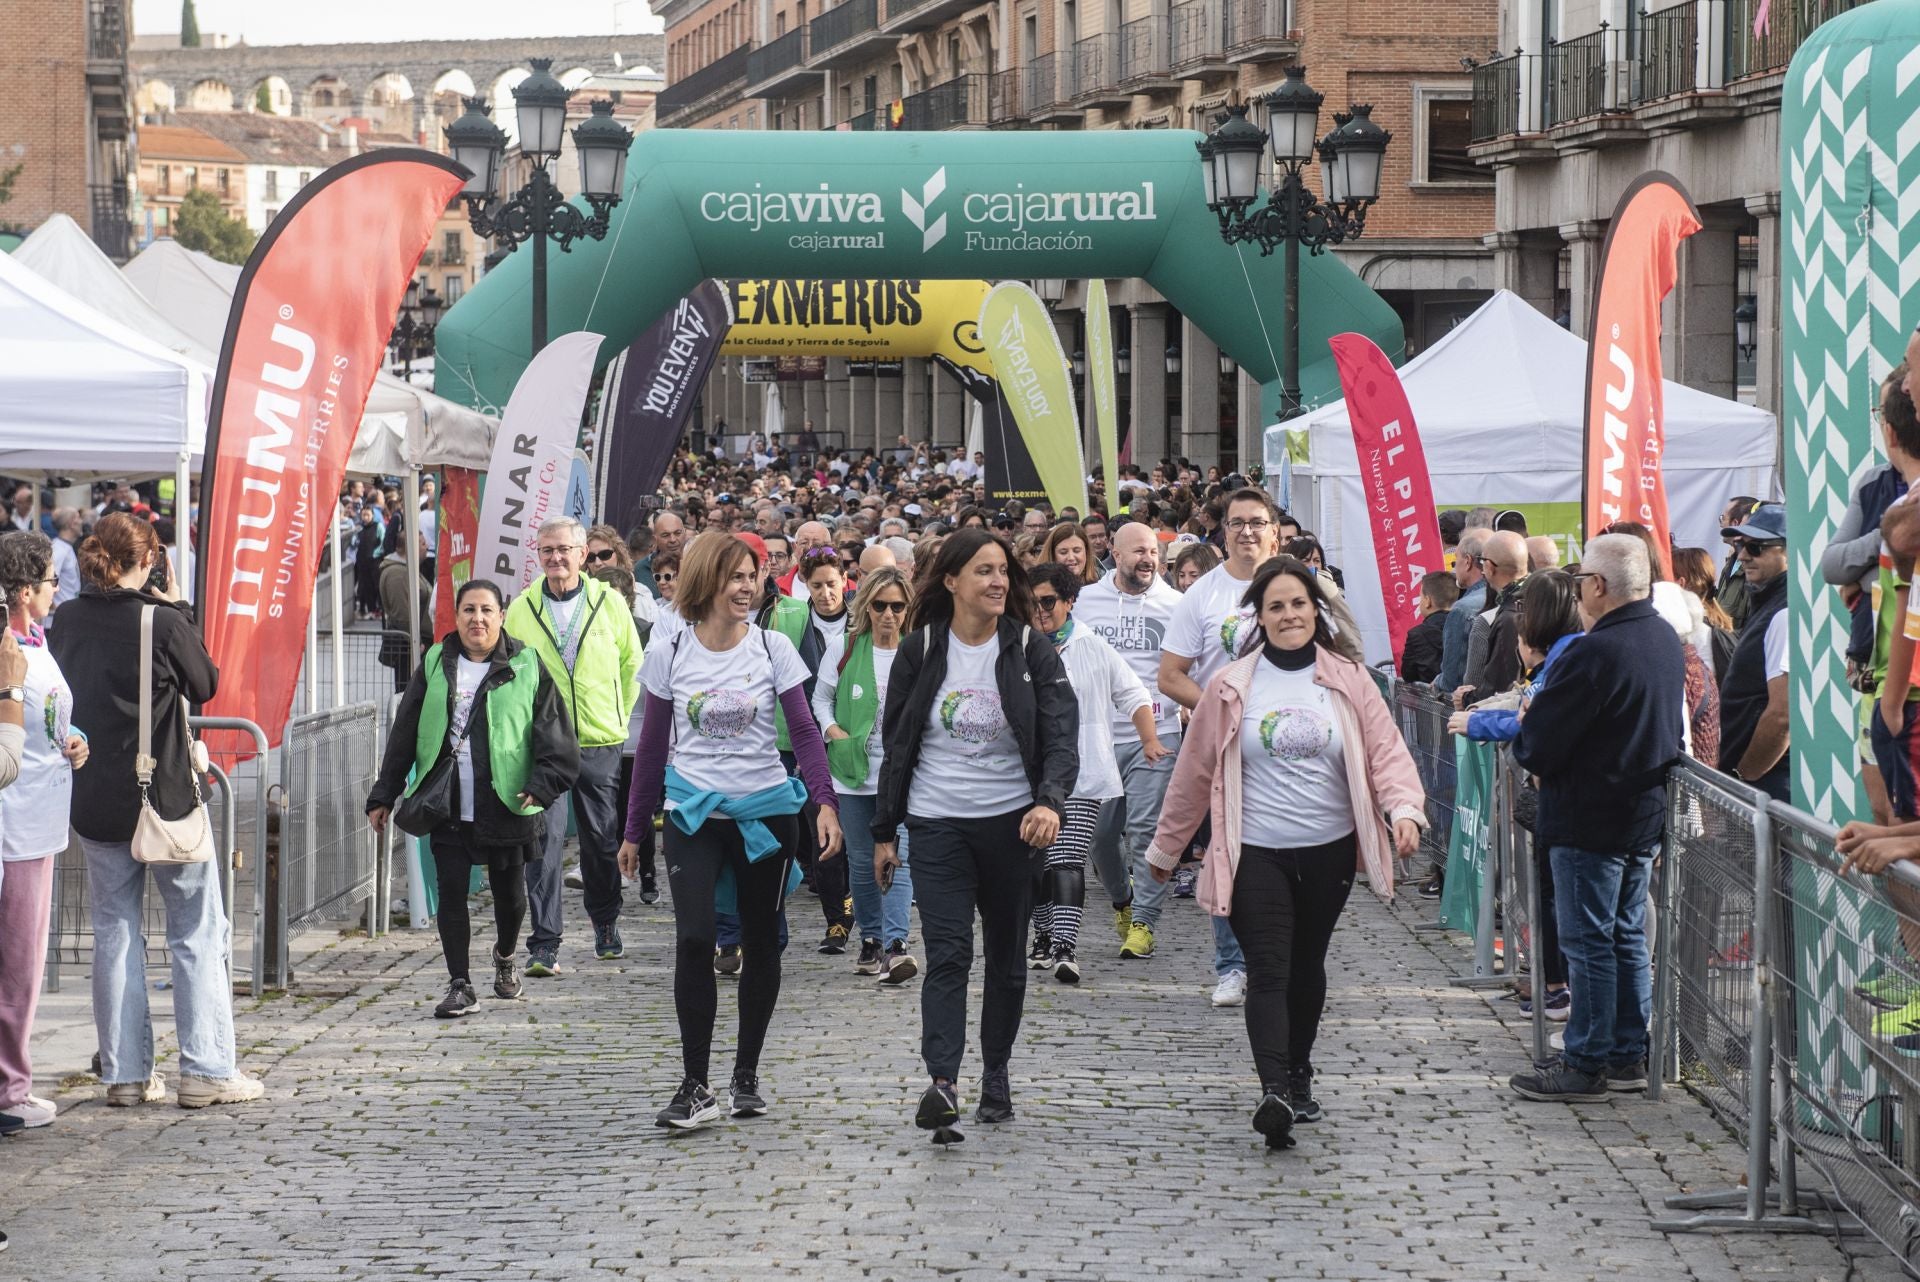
[159, 580]
[886, 879]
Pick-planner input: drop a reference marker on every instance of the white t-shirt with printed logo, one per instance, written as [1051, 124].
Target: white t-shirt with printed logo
[468, 675]
[724, 738]
[1293, 789]
[970, 765]
[1136, 628]
[1210, 625]
[34, 809]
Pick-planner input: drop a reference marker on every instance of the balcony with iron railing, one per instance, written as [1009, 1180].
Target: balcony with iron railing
[847, 33]
[778, 68]
[1045, 91]
[959, 103]
[1667, 63]
[112, 227]
[1789, 23]
[1496, 96]
[1094, 72]
[106, 33]
[905, 16]
[1199, 39]
[678, 100]
[1260, 31]
[1146, 55]
[1584, 78]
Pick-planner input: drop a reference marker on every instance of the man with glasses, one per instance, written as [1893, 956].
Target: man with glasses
[669, 535]
[582, 632]
[779, 555]
[1504, 562]
[1753, 689]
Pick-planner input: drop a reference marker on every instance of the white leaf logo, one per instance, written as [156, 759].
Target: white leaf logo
[933, 233]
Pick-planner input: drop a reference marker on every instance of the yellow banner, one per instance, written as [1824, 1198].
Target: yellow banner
[1036, 380]
[866, 320]
[1100, 365]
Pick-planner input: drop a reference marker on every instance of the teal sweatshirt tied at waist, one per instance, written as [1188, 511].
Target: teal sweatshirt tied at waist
[689, 807]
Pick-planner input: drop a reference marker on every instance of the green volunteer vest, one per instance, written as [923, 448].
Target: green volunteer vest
[790, 615]
[855, 703]
[509, 727]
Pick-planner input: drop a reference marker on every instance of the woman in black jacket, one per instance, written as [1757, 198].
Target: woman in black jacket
[488, 699]
[981, 753]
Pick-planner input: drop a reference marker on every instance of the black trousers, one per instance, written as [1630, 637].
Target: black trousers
[960, 866]
[454, 855]
[647, 837]
[828, 876]
[1286, 903]
[694, 862]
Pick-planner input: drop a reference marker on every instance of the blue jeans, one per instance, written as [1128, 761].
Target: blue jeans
[1600, 900]
[197, 939]
[1126, 829]
[885, 917]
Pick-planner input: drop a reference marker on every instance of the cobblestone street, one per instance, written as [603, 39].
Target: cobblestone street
[519, 1142]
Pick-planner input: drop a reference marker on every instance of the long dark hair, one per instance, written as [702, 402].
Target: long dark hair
[1549, 609]
[933, 603]
[1271, 569]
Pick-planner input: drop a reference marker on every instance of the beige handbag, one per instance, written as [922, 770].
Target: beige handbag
[188, 840]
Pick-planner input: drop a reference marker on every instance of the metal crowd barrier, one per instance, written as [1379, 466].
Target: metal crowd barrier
[367, 680]
[327, 864]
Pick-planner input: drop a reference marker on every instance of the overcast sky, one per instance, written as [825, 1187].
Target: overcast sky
[280, 22]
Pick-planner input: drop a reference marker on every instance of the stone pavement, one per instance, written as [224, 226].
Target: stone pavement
[519, 1143]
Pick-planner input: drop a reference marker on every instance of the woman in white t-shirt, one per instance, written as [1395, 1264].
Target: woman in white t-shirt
[732, 831]
[981, 754]
[1295, 758]
[33, 817]
[849, 701]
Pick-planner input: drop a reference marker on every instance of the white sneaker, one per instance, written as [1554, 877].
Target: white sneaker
[1557, 1039]
[198, 1092]
[574, 880]
[33, 1111]
[1232, 989]
[133, 1094]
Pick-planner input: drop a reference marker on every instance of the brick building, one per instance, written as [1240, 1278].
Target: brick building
[1119, 64]
[66, 116]
[177, 159]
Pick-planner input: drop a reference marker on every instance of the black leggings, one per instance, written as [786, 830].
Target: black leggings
[693, 866]
[647, 838]
[1285, 906]
[453, 868]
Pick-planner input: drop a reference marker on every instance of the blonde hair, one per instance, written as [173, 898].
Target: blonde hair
[871, 586]
[707, 563]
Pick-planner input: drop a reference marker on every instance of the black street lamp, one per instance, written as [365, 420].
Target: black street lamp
[538, 211]
[1745, 316]
[413, 331]
[1350, 157]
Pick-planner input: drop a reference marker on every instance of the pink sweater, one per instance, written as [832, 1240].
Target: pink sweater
[1382, 783]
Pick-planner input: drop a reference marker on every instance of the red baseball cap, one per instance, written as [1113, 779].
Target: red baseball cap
[758, 544]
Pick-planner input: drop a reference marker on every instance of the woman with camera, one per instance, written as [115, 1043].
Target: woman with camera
[487, 737]
[97, 637]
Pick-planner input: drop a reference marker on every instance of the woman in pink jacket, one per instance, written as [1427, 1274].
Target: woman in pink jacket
[1295, 757]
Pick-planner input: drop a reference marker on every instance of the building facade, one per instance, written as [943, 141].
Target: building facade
[66, 119]
[177, 159]
[862, 65]
[1593, 93]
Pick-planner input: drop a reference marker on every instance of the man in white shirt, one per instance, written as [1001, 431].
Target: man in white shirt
[1206, 634]
[1131, 609]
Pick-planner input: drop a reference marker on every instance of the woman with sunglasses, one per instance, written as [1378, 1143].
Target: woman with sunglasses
[849, 702]
[982, 749]
[813, 622]
[1102, 684]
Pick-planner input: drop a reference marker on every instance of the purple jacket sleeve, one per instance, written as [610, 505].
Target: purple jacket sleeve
[809, 750]
[649, 766]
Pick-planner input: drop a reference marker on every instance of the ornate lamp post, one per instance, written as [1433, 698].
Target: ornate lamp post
[538, 212]
[413, 332]
[1292, 216]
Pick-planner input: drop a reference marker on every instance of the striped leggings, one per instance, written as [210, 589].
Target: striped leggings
[1060, 883]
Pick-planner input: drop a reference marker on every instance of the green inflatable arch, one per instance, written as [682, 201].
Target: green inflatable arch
[953, 206]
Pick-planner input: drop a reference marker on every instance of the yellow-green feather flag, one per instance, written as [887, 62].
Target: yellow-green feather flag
[1100, 363]
[1036, 382]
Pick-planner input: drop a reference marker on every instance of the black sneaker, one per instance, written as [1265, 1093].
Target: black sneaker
[996, 1097]
[607, 945]
[1300, 1094]
[11, 1125]
[939, 1107]
[1627, 1077]
[1040, 956]
[1432, 887]
[870, 962]
[1560, 1082]
[727, 960]
[693, 1106]
[458, 1001]
[746, 1097]
[506, 977]
[1065, 968]
[1274, 1117]
[835, 942]
[649, 888]
[898, 966]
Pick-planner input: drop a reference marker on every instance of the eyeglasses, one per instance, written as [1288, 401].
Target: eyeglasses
[1754, 547]
[890, 607]
[1581, 576]
[1259, 525]
[1045, 604]
[665, 577]
[547, 554]
[604, 554]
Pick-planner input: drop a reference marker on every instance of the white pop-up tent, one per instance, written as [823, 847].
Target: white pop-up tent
[83, 395]
[1500, 403]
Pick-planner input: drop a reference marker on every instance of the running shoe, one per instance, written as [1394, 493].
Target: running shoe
[1185, 878]
[607, 945]
[869, 963]
[11, 1125]
[1274, 1117]
[939, 1107]
[1139, 941]
[1300, 1094]
[131, 1094]
[726, 960]
[543, 963]
[196, 1091]
[1040, 956]
[1560, 1082]
[835, 942]
[33, 1111]
[1433, 887]
[745, 1096]
[575, 880]
[1905, 1019]
[693, 1106]
[1231, 990]
[1627, 1077]
[649, 888]
[1123, 920]
[1065, 968]
[1559, 1004]
[460, 1000]
[996, 1097]
[506, 977]
[900, 965]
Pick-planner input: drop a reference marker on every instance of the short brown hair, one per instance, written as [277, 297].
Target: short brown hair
[705, 566]
[119, 543]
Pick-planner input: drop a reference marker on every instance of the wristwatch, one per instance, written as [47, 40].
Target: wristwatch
[16, 693]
